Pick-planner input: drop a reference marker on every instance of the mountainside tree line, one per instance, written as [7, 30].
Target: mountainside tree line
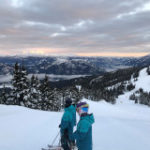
[36, 94]
[111, 85]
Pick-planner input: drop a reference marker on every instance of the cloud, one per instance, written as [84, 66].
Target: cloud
[75, 26]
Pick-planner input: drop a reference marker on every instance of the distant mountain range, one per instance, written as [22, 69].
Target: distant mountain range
[71, 65]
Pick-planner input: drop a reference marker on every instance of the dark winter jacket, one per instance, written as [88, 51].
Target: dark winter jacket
[83, 134]
[67, 122]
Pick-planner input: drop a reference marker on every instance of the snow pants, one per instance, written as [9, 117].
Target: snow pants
[65, 142]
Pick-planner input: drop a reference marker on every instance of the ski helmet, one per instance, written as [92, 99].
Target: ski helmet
[82, 108]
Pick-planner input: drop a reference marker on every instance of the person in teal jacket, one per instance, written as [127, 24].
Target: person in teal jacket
[67, 123]
[83, 134]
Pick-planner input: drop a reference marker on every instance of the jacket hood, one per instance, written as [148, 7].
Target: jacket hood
[89, 118]
[70, 108]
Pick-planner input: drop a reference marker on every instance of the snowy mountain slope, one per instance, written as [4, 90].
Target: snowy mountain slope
[142, 82]
[124, 126]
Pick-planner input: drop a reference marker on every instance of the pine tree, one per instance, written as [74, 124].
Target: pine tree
[62, 93]
[75, 94]
[148, 70]
[44, 88]
[3, 99]
[54, 100]
[130, 86]
[35, 95]
[16, 84]
[20, 85]
[24, 84]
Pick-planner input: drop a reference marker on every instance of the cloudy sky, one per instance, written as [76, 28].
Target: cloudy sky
[75, 27]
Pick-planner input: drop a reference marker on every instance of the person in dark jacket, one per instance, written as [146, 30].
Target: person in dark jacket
[83, 134]
[67, 123]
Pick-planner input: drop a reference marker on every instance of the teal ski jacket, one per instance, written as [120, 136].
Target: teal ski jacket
[74, 115]
[68, 121]
[83, 134]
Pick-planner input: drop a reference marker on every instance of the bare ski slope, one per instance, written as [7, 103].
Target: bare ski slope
[117, 127]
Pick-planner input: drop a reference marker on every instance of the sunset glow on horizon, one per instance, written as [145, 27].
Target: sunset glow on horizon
[115, 54]
[65, 52]
[57, 52]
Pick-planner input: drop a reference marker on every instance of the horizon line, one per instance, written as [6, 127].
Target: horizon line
[104, 54]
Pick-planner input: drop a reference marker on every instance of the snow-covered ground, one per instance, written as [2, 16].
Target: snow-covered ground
[124, 126]
[26, 129]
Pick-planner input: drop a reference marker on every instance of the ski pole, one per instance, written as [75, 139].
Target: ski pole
[55, 138]
[59, 142]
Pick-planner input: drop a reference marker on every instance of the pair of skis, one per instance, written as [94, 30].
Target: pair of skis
[53, 147]
[49, 147]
